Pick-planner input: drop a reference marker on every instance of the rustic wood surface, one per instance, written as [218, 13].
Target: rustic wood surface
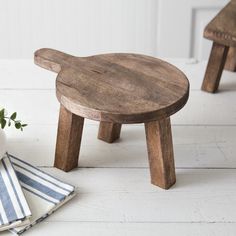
[222, 29]
[109, 132]
[231, 60]
[118, 88]
[160, 153]
[215, 67]
[69, 135]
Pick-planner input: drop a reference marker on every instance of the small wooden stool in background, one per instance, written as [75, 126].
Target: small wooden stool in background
[222, 31]
[117, 89]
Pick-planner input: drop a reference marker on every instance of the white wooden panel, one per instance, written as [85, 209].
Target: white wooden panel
[180, 27]
[81, 27]
[166, 28]
[24, 74]
[194, 146]
[199, 46]
[130, 229]
[125, 195]
[122, 201]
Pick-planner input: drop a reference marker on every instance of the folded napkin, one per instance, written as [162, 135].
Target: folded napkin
[14, 210]
[43, 193]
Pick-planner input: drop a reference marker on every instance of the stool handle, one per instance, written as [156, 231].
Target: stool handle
[51, 59]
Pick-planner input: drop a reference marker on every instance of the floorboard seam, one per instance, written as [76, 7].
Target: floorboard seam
[148, 222]
[178, 168]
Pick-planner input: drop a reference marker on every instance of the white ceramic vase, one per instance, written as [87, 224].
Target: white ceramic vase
[3, 142]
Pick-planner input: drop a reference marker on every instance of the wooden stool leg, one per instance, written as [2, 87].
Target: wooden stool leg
[108, 131]
[69, 134]
[231, 60]
[160, 153]
[215, 67]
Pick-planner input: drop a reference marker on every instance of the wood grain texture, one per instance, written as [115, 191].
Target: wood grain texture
[231, 60]
[115, 89]
[69, 135]
[215, 67]
[160, 153]
[125, 88]
[109, 132]
[222, 29]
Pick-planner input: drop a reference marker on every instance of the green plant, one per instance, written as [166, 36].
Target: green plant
[8, 120]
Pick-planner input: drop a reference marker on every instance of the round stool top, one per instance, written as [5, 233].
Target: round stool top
[117, 87]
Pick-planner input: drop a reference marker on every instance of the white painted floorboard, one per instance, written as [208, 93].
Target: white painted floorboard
[115, 196]
[127, 229]
[194, 146]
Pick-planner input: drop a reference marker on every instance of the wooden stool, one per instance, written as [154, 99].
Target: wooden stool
[222, 31]
[116, 89]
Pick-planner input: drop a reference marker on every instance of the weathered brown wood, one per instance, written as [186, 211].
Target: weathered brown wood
[115, 89]
[69, 137]
[215, 67]
[109, 132]
[222, 29]
[231, 60]
[118, 88]
[160, 153]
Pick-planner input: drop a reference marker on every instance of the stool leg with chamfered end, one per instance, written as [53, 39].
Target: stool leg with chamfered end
[109, 132]
[69, 135]
[215, 67]
[160, 153]
[231, 60]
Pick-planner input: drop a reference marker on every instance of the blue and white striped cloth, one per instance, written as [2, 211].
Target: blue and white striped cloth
[44, 193]
[14, 210]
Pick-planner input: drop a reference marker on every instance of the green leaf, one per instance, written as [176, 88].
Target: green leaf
[18, 125]
[13, 116]
[5, 120]
[2, 113]
[3, 123]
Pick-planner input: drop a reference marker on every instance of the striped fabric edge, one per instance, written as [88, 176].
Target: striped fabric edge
[13, 205]
[42, 189]
[40, 183]
[41, 173]
[18, 223]
[21, 230]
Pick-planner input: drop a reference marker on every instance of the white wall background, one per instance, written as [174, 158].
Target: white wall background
[166, 28]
